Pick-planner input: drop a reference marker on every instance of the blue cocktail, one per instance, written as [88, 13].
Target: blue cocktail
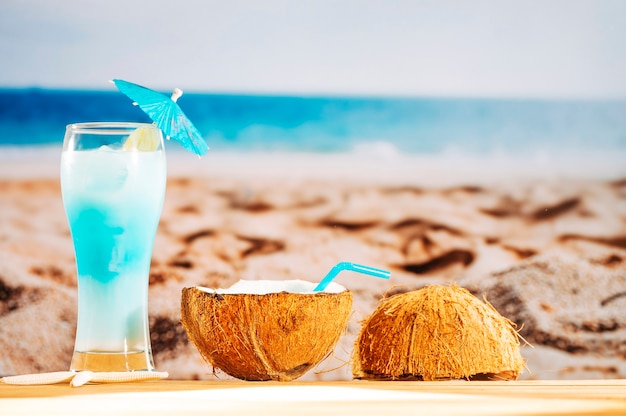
[113, 183]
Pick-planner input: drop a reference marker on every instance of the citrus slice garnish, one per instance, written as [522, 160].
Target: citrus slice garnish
[143, 139]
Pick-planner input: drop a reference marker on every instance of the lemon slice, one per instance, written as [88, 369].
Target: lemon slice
[143, 139]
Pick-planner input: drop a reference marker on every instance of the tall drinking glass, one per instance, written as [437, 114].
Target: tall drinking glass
[113, 184]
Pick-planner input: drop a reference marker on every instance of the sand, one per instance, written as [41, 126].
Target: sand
[498, 227]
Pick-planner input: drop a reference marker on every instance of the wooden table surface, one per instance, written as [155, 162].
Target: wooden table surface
[165, 397]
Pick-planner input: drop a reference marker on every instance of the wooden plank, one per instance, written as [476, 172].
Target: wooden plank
[303, 398]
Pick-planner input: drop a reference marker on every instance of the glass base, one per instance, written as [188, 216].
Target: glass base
[112, 361]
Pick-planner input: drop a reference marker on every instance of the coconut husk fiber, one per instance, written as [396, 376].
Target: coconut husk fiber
[275, 336]
[437, 333]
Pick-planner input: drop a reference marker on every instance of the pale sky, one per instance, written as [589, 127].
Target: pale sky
[523, 48]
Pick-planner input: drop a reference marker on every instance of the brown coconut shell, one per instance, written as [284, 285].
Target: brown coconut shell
[437, 333]
[275, 336]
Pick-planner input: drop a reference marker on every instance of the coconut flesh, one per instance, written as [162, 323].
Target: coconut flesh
[265, 330]
[437, 333]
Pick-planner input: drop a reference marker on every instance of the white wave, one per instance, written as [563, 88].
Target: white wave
[374, 161]
[380, 148]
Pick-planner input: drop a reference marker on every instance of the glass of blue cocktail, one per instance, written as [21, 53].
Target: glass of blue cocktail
[113, 184]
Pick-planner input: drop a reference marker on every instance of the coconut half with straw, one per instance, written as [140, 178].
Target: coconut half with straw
[265, 330]
[437, 333]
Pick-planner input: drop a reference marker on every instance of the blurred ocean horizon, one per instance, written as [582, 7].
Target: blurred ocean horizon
[36, 117]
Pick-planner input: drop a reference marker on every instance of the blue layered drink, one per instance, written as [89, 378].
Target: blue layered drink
[113, 183]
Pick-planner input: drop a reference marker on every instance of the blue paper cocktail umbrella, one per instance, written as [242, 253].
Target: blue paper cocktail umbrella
[166, 114]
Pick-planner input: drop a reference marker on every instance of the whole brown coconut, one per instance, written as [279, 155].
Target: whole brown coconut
[272, 336]
[437, 333]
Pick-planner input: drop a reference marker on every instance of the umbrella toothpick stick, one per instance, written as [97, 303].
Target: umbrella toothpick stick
[176, 94]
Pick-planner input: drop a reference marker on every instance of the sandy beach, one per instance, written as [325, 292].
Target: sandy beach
[544, 241]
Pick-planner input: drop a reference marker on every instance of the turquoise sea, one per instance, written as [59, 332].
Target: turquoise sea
[420, 125]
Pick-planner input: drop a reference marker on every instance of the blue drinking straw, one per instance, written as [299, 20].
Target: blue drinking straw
[344, 265]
